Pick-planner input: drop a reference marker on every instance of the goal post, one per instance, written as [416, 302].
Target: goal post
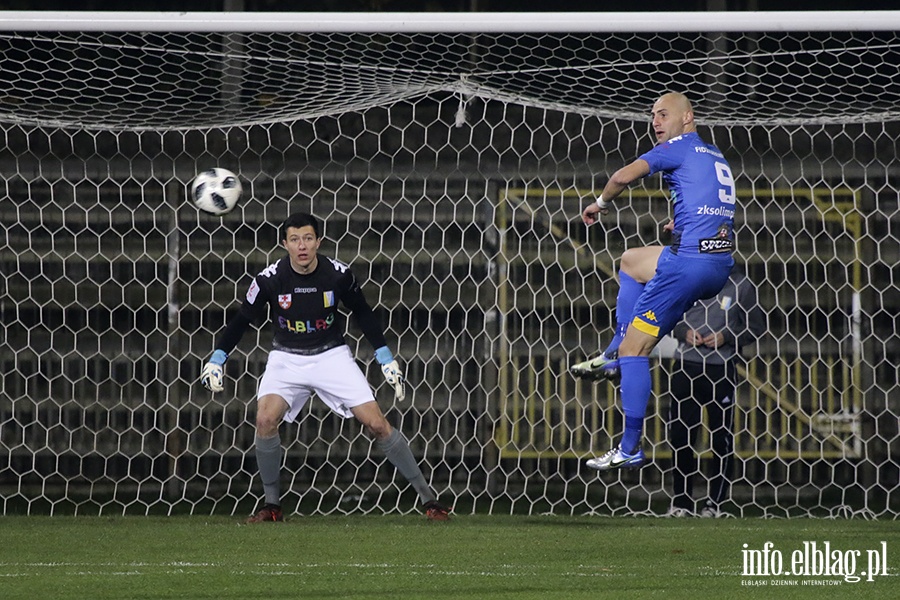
[449, 156]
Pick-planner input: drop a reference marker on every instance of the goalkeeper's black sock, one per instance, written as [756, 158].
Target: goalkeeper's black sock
[396, 449]
[268, 460]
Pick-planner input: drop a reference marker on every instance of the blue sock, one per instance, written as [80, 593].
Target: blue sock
[629, 292]
[636, 385]
[631, 438]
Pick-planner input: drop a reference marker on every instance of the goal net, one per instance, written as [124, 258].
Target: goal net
[449, 164]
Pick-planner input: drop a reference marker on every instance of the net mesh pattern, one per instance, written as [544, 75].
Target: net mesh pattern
[450, 171]
[194, 80]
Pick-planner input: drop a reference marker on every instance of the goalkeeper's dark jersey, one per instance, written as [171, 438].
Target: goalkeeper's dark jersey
[304, 308]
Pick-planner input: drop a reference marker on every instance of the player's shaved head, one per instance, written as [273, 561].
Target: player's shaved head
[677, 101]
[672, 116]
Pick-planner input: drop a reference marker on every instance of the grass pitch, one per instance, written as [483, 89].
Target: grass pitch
[470, 557]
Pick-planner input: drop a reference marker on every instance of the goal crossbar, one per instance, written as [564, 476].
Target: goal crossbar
[476, 22]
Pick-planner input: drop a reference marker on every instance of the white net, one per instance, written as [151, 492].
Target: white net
[449, 170]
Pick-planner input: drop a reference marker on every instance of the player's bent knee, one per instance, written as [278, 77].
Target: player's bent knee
[628, 260]
[266, 427]
[380, 431]
[378, 428]
[640, 263]
[637, 344]
[269, 414]
[373, 420]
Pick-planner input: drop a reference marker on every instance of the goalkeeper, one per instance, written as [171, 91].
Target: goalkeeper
[301, 292]
[657, 284]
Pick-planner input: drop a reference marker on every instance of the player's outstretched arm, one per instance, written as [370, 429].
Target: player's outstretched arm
[212, 376]
[390, 368]
[616, 184]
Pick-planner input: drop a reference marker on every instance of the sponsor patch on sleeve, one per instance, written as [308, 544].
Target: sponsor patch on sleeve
[253, 292]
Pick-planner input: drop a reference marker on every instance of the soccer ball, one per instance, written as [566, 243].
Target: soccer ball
[216, 191]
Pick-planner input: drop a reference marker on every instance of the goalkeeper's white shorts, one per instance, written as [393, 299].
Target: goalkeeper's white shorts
[333, 375]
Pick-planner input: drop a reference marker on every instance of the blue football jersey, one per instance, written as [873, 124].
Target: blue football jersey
[703, 195]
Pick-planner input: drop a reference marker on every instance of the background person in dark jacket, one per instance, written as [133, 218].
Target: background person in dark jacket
[704, 375]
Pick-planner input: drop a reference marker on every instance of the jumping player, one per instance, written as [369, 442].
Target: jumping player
[301, 292]
[658, 284]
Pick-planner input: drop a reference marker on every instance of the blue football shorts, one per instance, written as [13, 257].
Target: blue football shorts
[677, 284]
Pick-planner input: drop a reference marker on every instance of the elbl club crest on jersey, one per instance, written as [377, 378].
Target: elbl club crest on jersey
[284, 301]
[328, 298]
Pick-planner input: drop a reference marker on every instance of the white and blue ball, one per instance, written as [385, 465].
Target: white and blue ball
[216, 191]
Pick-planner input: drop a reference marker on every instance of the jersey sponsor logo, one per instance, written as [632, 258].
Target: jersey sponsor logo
[270, 270]
[723, 242]
[716, 246]
[676, 139]
[306, 326]
[719, 211]
[328, 298]
[284, 301]
[649, 315]
[252, 292]
[306, 290]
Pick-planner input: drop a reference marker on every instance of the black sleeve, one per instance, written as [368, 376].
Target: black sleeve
[695, 312]
[355, 300]
[680, 331]
[248, 313]
[233, 333]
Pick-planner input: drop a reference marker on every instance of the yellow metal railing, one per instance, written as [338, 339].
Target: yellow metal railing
[547, 414]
